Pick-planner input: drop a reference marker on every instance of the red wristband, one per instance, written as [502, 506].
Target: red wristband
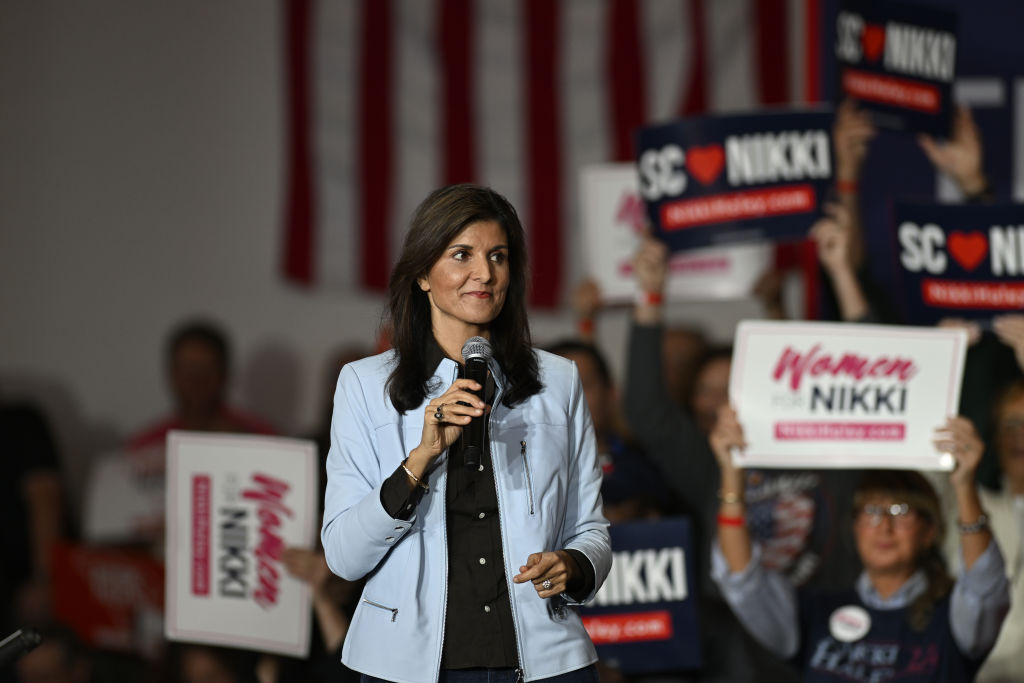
[585, 326]
[649, 298]
[725, 520]
[847, 187]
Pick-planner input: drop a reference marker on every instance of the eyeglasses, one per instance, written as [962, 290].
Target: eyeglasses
[901, 514]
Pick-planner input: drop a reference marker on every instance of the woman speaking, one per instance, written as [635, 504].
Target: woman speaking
[472, 560]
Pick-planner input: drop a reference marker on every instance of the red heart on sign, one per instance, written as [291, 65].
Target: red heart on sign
[872, 40]
[705, 163]
[968, 249]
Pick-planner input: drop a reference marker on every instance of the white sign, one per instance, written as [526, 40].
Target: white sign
[612, 215]
[813, 395]
[234, 502]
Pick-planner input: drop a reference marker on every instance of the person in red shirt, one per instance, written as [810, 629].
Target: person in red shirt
[198, 370]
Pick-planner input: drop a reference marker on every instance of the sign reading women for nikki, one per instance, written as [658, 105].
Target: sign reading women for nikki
[964, 261]
[234, 503]
[726, 179]
[899, 62]
[813, 395]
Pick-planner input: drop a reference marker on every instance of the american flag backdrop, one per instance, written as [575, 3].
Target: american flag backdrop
[389, 99]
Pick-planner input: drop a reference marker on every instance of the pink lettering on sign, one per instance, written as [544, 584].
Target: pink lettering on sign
[268, 493]
[629, 628]
[840, 431]
[201, 535]
[774, 201]
[852, 365]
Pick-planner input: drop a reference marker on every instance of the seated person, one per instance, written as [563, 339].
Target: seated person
[903, 618]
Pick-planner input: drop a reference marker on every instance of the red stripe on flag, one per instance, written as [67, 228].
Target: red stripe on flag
[696, 100]
[459, 132]
[298, 237]
[544, 165]
[375, 149]
[770, 17]
[812, 45]
[627, 94]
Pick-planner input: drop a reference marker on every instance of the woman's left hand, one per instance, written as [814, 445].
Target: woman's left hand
[959, 438]
[556, 567]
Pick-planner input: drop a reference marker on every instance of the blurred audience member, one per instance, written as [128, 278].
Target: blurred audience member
[835, 240]
[809, 548]
[34, 514]
[193, 663]
[632, 488]
[198, 370]
[1004, 509]
[59, 658]
[903, 618]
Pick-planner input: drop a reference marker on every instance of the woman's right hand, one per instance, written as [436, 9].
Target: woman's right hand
[443, 420]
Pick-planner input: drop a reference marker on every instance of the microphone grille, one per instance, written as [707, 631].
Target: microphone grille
[476, 347]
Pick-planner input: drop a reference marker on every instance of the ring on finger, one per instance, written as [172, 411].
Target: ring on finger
[546, 584]
[439, 413]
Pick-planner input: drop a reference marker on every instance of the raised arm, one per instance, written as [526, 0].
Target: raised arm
[981, 595]
[763, 601]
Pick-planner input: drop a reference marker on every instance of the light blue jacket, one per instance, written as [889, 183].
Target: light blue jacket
[548, 498]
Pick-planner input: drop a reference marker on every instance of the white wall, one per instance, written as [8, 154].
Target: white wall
[141, 179]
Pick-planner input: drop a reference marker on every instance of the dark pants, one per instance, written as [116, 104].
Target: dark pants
[587, 674]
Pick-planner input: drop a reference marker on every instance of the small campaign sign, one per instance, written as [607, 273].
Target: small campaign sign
[717, 180]
[644, 618]
[963, 261]
[899, 62]
[234, 503]
[612, 217]
[814, 395]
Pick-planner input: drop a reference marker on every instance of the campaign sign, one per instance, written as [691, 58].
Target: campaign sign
[612, 218]
[113, 598]
[234, 503]
[899, 62]
[964, 261]
[644, 618]
[814, 395]
[724, 179]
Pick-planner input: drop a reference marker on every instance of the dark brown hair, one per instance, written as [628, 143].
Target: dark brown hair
[913, 489]
[438, 220]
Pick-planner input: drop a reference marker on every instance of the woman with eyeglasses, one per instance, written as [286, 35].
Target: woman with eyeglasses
[904, 619]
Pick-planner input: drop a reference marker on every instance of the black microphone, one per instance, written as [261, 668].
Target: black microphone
[17, 644]
[475, 354]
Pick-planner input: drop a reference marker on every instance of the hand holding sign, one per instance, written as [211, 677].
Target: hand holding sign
[959, 438]
[1010, 330]
[851, 134]
[960, 156]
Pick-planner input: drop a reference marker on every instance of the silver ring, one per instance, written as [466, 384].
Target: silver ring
[546, 585]
[438, 415]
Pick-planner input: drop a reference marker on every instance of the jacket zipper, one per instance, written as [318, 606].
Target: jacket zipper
[393, 610]
[529, 479]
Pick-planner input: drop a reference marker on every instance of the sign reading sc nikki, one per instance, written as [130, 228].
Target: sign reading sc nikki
[644, 618]
[813, 395]
[964, 261]
[234, 503]
[737, 178]
[899, 62]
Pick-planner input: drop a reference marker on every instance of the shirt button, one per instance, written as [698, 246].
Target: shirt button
[480, 516]
[480, 468]
[487, 608]
[483, 560]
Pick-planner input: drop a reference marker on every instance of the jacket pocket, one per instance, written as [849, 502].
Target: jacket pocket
[529, 477]
[393, 610]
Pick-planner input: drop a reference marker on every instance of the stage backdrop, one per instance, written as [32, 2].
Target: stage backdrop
[389, 99]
